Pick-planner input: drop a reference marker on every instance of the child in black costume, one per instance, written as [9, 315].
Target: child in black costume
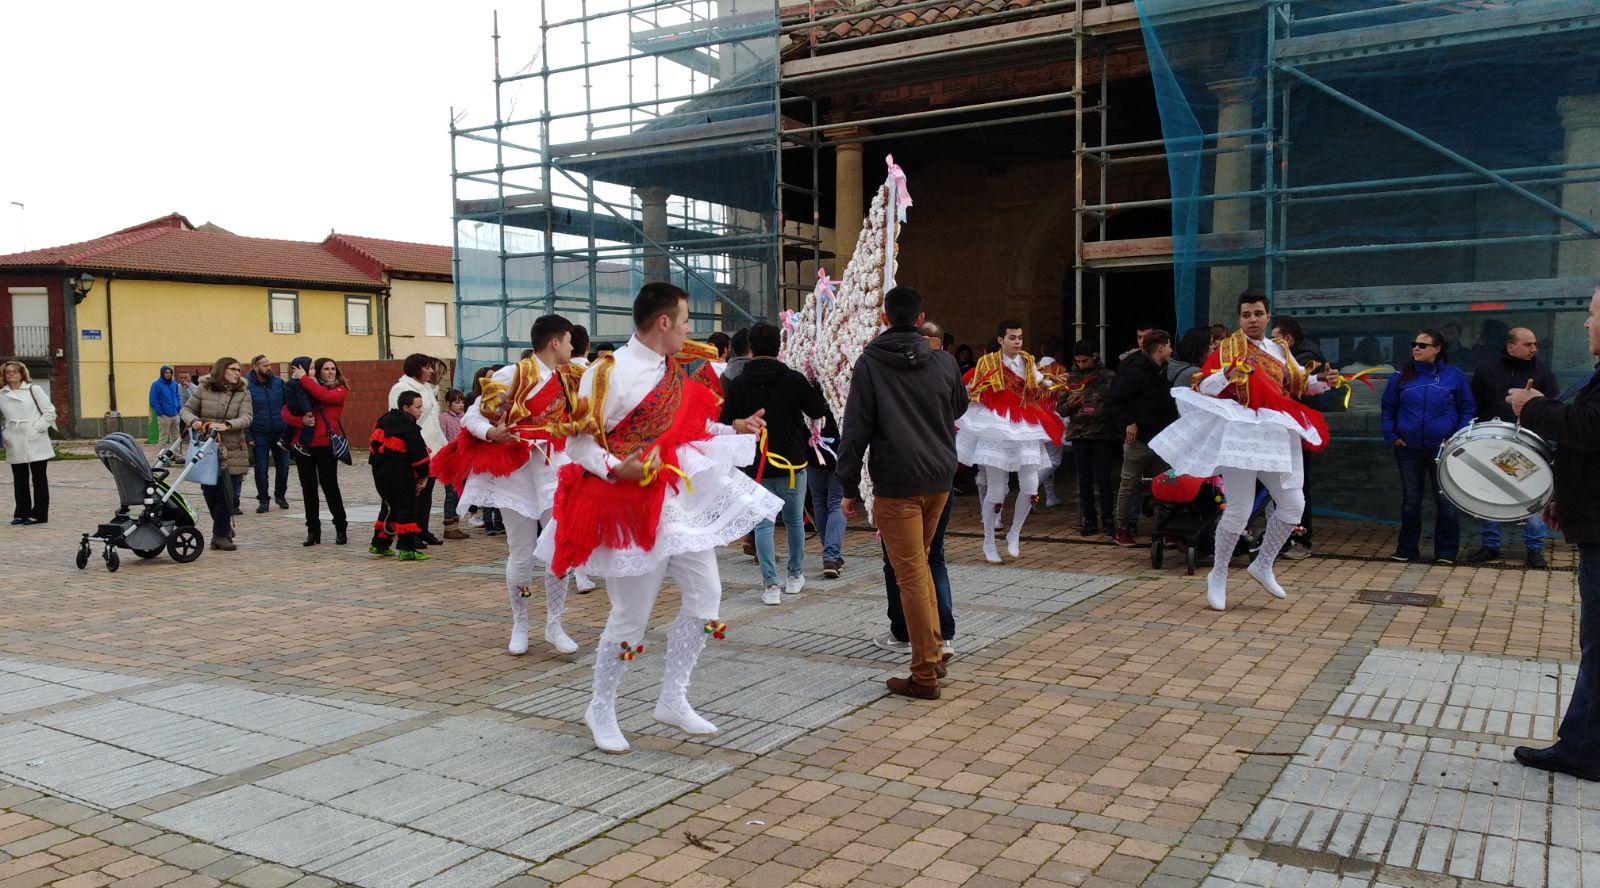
[399, 470]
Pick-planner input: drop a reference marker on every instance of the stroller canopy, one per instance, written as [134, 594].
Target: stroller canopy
[126, 462]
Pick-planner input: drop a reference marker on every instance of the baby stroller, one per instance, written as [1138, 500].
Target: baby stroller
[1186, 511]
[153, 515]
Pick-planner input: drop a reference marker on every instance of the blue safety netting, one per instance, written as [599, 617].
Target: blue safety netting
[1385, 166]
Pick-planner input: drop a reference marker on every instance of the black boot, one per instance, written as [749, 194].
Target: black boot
[313, 534]
[339, 537]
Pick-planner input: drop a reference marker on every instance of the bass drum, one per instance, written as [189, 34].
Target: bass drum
[1496, 471]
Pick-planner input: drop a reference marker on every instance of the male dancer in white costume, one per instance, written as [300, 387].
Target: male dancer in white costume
[1242, 422]
[653, 490]
[1005, 430]
[510, 462]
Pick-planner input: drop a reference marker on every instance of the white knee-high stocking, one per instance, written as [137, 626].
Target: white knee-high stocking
[555, 601]
[685, 640]
[601, 716]
[1277, 533]
[519, 621]
[1019, 514]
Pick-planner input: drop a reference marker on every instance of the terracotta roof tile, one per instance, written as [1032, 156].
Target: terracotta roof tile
[402, 256]
[876, 18]
[170, 246]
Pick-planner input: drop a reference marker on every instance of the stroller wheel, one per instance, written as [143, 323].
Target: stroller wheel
[113, 560]
[1156, 553]
[83, 557]
[1189, 559]
[185, 545]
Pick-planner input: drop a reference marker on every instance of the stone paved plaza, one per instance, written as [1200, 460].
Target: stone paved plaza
[289, 716]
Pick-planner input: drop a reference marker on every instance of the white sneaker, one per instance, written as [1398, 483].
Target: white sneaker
[682, 716]
[947, 649]
[475, 520]
[794, 584]
[888, 642]
[772, 595]
[519, 640]
[1267, 579]
[1052, 502]
[607, 736]
[990, 553]
[558, 638]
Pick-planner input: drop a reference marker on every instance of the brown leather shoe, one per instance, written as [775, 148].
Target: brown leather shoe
[940, 669]
[906, 687]
[223, 544]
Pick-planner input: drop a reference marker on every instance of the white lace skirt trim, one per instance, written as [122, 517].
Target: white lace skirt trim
[973, 449]
[1213, 433]
[985, 423]
[725, 505]
[530, 490]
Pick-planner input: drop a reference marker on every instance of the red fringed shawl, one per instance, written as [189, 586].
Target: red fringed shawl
[593, 512]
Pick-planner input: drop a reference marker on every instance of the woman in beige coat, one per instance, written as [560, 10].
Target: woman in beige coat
[222, 405]
[28, 417]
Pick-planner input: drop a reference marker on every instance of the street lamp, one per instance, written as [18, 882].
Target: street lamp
[81, 286]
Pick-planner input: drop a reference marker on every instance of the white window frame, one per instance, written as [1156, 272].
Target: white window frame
[276, 297]
[365, 303]
[444, 318]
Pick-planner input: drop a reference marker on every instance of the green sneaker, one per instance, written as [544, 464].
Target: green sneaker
[374, 550]
[412, 556]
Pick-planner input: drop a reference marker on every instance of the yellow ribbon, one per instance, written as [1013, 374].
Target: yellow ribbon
[1343, 382]
[653, 466]
[778, 461]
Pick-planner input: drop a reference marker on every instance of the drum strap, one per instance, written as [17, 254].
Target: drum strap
[1495, 477]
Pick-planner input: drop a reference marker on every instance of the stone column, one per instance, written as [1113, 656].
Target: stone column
[653, 199]
[848, 209]
[1234, 102]
[1580, 117]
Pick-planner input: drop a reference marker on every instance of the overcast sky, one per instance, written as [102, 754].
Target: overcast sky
[277, 120]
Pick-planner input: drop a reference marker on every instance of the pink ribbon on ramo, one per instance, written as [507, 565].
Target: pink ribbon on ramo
[902, 197]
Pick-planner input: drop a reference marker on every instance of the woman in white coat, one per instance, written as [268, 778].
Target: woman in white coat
[28, 417]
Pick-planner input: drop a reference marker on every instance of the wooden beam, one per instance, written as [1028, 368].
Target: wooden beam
[1141, 252]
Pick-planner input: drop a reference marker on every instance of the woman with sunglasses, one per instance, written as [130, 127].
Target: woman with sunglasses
[1424, 404]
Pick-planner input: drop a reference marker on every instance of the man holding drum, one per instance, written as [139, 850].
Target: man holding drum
[1576, 510]
[1516, 366]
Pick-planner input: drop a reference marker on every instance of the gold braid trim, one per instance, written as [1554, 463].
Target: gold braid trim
[989, 375]
[696, 351]
[588, 415]
[496, 397]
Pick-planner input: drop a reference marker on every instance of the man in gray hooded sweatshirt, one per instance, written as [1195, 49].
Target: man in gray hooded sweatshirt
[903, 403]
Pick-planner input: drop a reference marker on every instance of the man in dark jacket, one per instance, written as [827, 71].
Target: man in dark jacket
[1576, 510]
[769, 384]
[1517, 366]
[166, 399]
[903, 403]
[266, 432]
[1140, 404]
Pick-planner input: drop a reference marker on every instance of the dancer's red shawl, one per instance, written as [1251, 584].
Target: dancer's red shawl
[592, 512]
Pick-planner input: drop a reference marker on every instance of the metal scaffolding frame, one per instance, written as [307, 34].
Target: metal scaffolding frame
[1291, 57]
[570, 207]
[534, 176]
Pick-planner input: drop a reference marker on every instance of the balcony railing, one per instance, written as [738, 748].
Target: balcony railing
[30, 341]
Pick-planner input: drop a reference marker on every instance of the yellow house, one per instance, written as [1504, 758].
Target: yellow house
[163, 292]
[417, 311]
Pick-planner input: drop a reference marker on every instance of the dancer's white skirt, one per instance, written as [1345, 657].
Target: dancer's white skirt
[1213, 433]
[724, 506]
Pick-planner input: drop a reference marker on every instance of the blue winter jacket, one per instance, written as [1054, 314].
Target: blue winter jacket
[267, 400]
[166, 396]
[1428, 409]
